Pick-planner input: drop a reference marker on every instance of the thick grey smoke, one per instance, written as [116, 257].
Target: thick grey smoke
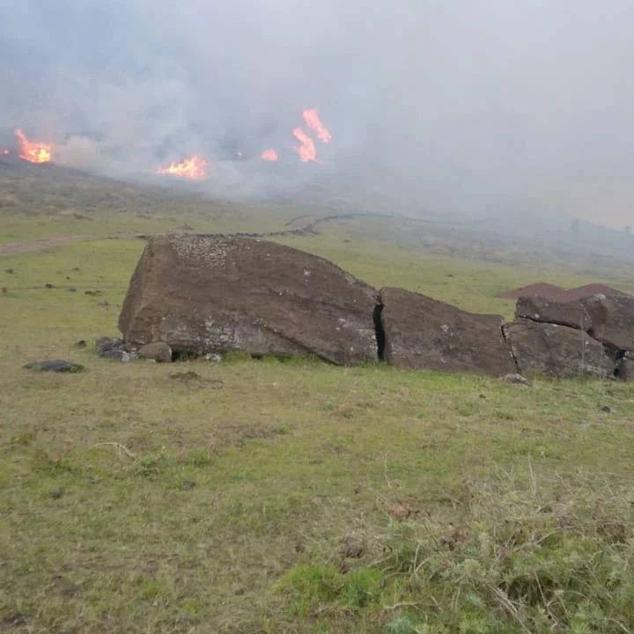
[477, 106]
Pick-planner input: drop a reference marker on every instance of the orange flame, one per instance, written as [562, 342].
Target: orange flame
[306, 150]
[33, 151]
[311, 117]
[193, 168]
[269, 155]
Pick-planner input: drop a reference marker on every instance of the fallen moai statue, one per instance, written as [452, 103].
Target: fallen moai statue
[210, 294]
[421, 332]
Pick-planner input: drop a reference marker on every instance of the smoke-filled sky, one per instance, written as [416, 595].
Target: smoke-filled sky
[473, 105]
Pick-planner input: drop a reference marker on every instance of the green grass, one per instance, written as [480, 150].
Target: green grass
[134, 502]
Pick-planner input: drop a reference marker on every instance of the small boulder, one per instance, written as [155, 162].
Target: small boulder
[625, 368]
[421, 332]
[159, 351]
[54, 365]
[571, 314]
[109, 347]
[516, 379]
[556, 351]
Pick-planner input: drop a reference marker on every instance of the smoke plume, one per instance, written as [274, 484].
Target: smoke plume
[483, 106]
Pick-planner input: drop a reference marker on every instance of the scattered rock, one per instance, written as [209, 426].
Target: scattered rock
[115, 353]
[187, 485]
[625, 367]
[517, 379]
[54, 365]
[353, 546]
[106, 344]
[421, 332]
[56, 493]
[93, 293]
[556, 351]
[9, 271]
[48, 285]
[571, 314]
[213, 294]
[81, 344]
[215, 358]
[401, 511]
[113, 348]
[606, 408]
[159, 351]
[72, 289]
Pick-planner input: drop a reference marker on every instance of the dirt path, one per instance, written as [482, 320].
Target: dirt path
[44, 244]
[300, 226]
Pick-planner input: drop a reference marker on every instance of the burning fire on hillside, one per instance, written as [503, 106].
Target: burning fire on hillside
[269, 155]
[193, 168]
[306, 148]
[33, 151]
[311, 117]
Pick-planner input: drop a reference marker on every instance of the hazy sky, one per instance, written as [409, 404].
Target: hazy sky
[472, 105]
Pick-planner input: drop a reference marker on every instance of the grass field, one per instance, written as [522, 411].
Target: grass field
[294, 496]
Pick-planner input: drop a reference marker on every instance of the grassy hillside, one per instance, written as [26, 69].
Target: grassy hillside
[271, 496]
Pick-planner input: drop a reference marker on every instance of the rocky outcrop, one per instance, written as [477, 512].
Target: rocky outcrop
[556, 351]
[612, 320]
[572, 314]
[207, 294]
[421, 332]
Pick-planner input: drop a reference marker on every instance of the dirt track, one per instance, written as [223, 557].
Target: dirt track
[44, 244]
[308, 227]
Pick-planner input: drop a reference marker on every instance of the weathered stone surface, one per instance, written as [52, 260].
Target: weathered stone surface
[209, 294]
[571, 314]
[612, 319]
[421, 332]
[158, 351]
[55, 365]
[625, 368]
[556, 351]
[104, 345]
[112, 348]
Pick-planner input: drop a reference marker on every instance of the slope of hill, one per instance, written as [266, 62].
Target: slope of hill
[276, 496]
